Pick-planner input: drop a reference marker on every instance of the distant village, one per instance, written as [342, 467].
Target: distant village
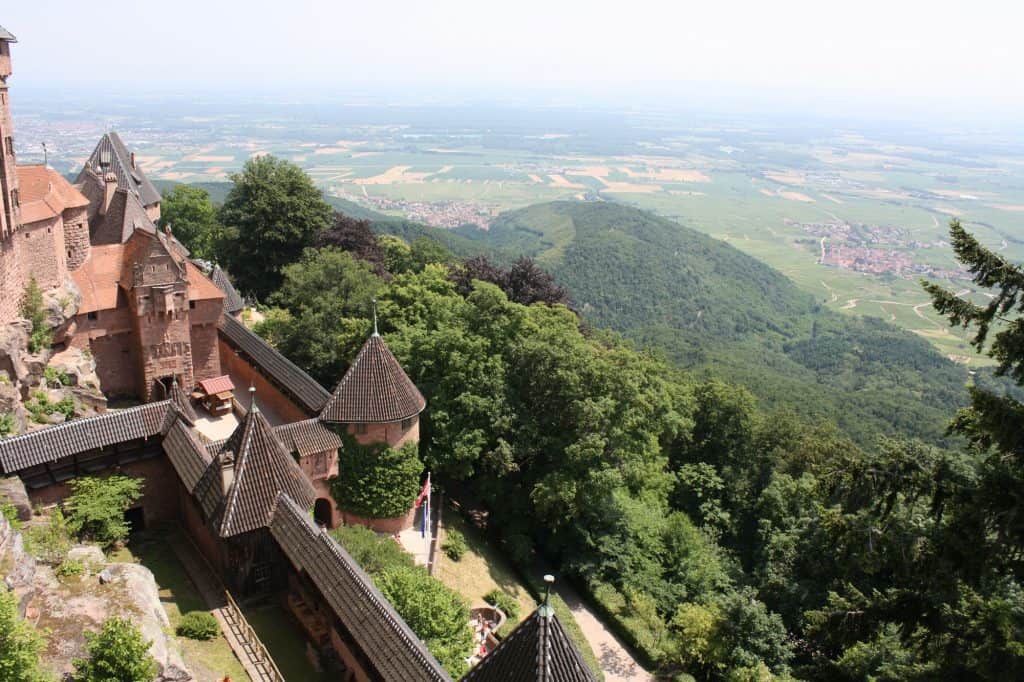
[445, 214]
[874, 249]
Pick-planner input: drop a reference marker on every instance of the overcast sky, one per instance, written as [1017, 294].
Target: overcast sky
[898, 51]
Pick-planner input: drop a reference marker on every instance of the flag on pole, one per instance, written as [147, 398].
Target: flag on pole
[425, 494]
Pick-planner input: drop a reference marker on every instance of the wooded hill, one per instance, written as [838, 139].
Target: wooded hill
[709, 306]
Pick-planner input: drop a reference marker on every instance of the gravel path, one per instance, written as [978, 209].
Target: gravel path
[616, 662]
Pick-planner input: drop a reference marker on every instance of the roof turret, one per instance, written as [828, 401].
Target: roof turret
[375, 389]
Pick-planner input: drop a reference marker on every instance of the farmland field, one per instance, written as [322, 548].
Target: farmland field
[856, 217]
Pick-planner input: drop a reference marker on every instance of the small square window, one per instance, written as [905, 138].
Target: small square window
[407, 424]
[360, 429]
[93, 315]
[191, 305]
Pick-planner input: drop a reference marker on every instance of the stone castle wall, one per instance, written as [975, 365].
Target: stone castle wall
[11, 284]
[76, 237]
[391, 433]
[40, 249]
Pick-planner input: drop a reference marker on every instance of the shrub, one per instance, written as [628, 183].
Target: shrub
[501, 599]
[7, 424]
[56, 377]
[378, 482]
[437, 614]
[21, 645]
[41, 408]
[454, 545]
[69, 568]
[198, 625]
[373, 553]
[32, 310]
[117, 653]
[50, 542]
[97, 505]
[10, 512]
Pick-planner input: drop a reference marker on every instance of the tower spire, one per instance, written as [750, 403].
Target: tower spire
[546, 609]
[253, 407]
[375, 332]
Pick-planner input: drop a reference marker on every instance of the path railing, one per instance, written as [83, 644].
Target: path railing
[261, 657]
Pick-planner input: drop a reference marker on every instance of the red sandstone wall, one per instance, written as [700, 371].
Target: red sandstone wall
[350, 661]
[197, 528]
[11, 285]
[269, 395]
[76, 237]
[40, 249]
[390, 433]
[165, 349]
[389, 525]
[205, 354]
[117, 363]
[159, 500]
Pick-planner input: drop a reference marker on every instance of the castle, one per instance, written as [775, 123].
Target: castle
[256, 502]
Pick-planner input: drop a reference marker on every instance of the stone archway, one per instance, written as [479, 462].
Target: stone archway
[323, 512]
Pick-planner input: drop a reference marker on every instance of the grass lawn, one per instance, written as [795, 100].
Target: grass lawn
[284, 641]
[209, 661]
[481, 569]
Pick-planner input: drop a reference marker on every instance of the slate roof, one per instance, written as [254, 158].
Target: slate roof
[309, 395]
[388, 642]
[7, 35]
[538, 650]
[128, 178]
[182, 402]
[307, 437]
[263, 469]
[124, 216]
[80, 435]
[232, 300]
[375, 389]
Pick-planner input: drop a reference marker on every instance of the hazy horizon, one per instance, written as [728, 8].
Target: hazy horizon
[907, 61]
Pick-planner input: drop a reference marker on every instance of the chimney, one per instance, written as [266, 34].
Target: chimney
[227, 471]
[109, 187]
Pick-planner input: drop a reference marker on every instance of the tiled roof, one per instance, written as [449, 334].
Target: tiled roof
[307, 437]
[7, 35]
[45, 194]
[217, 385]
[189, 458]
[128, 177]
[309, 395]
[388, 642]
[182, 402]
[123, 216]
[374, 389]
[232, 301]
[80, 435]
[538, 650]
[97, 278]
[263, 469]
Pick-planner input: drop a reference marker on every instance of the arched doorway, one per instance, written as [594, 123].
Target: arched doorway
[322, 512]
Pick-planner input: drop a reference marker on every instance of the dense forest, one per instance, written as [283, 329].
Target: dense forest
[726, 537]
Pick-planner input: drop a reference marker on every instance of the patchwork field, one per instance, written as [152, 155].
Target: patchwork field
[857, 218]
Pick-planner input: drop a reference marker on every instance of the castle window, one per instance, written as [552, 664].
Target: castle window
[10, 145]
[406, 424]
[191, 305]
[14, 197]
[360, 429]
[93, 315]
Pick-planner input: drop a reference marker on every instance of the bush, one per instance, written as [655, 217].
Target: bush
[32, 310]
[198, 625]
[10, 512]
[40, 407]
[373, 553]
[56, 378]
[501, 599]
[437, 614]
[97, 505]
[69, 568]
[49, 543]
[454, 545]
[117, 653]
[377, 482]
[7, 424]
[21, 645]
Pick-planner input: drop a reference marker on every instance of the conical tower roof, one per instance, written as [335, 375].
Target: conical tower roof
[263, 469]
[375, 389]
[538, 650]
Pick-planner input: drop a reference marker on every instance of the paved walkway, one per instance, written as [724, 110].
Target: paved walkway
[616, 662]
[232, 626]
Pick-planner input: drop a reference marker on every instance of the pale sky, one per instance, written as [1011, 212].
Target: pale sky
[898, 50]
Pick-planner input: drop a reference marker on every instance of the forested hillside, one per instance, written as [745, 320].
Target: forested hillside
[709, 306]
[726, 539]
